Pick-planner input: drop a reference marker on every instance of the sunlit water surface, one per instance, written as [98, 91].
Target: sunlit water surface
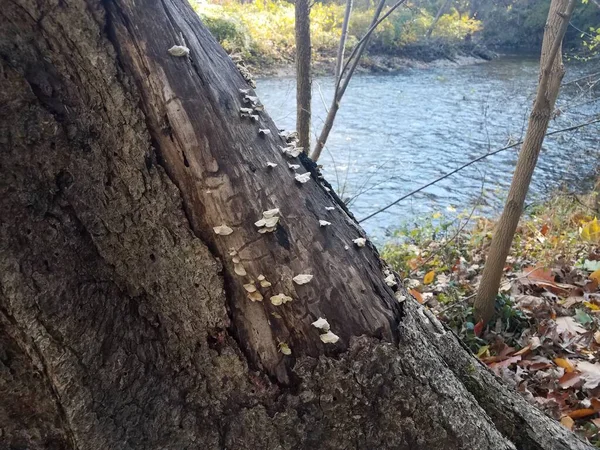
[394, 133]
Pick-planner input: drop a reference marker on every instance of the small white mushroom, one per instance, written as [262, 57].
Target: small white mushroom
[293, 166]
[255, 296]
[265, 283]
[264, 131]
[285, 349]
[324, 223]
[250, 287]
[321, 324]
[326, 189]
[261, 277]
[270, 213]
[239, 269]
[271, 164]
[236, 259]
[247, 111]
[329, 338]
[260, 223]
[360, 242]
[223, 230]
[280, 299]
[250, 99]
[179, 50]
[293, 152]
[302, 177]
[244, 91]
[302, 278]
[390, 280]
[330, 208]
[271, 222]
[346, 247]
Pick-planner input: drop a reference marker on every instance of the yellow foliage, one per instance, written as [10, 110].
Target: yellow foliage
[429, 277]
[590, 231]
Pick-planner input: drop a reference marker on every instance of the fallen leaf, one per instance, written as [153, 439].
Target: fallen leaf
[416, 294]
[579, 413]
[595, 275]
[569, 379]
[478, 328]
[569, 326]
[567, 422]
[429, 277]
[565, 364]
[590, 373]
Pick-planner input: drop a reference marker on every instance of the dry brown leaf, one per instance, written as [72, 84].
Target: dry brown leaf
[567, 422]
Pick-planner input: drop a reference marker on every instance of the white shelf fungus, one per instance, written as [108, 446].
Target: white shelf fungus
[269, 221]
[293, 166]
[284, 348]
[360, 242]
[324, 223]
[179, 50]
[271, 164]
[330, 208]
[280, 299]
[390, 280]
[264, 131]
[302, 278]
[222, 230]
[329, 338]
[302, 177]
[321, 324]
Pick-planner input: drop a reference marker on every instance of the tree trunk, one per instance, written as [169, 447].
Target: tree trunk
[343, 39]
[303, 75]
[551, 75]
[437, 18]
[124, 322]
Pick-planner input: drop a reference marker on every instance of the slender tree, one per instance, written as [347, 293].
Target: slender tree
[436, 19]
[343, 39]
[551, 75]
[141, 306]
[303, 73]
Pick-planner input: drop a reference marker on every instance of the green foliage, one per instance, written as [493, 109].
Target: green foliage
[263, 31]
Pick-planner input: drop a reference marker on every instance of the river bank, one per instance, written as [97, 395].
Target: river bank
[425, 56]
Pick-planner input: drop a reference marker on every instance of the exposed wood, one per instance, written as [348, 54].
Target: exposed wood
[551, 74]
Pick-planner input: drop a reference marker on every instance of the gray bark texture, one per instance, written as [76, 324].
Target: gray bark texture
[123, 322]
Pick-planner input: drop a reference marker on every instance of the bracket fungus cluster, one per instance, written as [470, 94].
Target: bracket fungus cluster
[179, 50]
[254, 106]
[390, 279]
[222, 230]
[359, 242]
[302, 177]
[269, 221]
[302, 278]
[280, 299]
[327, 337]
[238, 267]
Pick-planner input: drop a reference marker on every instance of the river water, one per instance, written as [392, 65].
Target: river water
[394, 133]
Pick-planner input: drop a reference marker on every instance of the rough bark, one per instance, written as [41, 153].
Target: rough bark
[303, 73]
[551, 74]
[122, 322]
